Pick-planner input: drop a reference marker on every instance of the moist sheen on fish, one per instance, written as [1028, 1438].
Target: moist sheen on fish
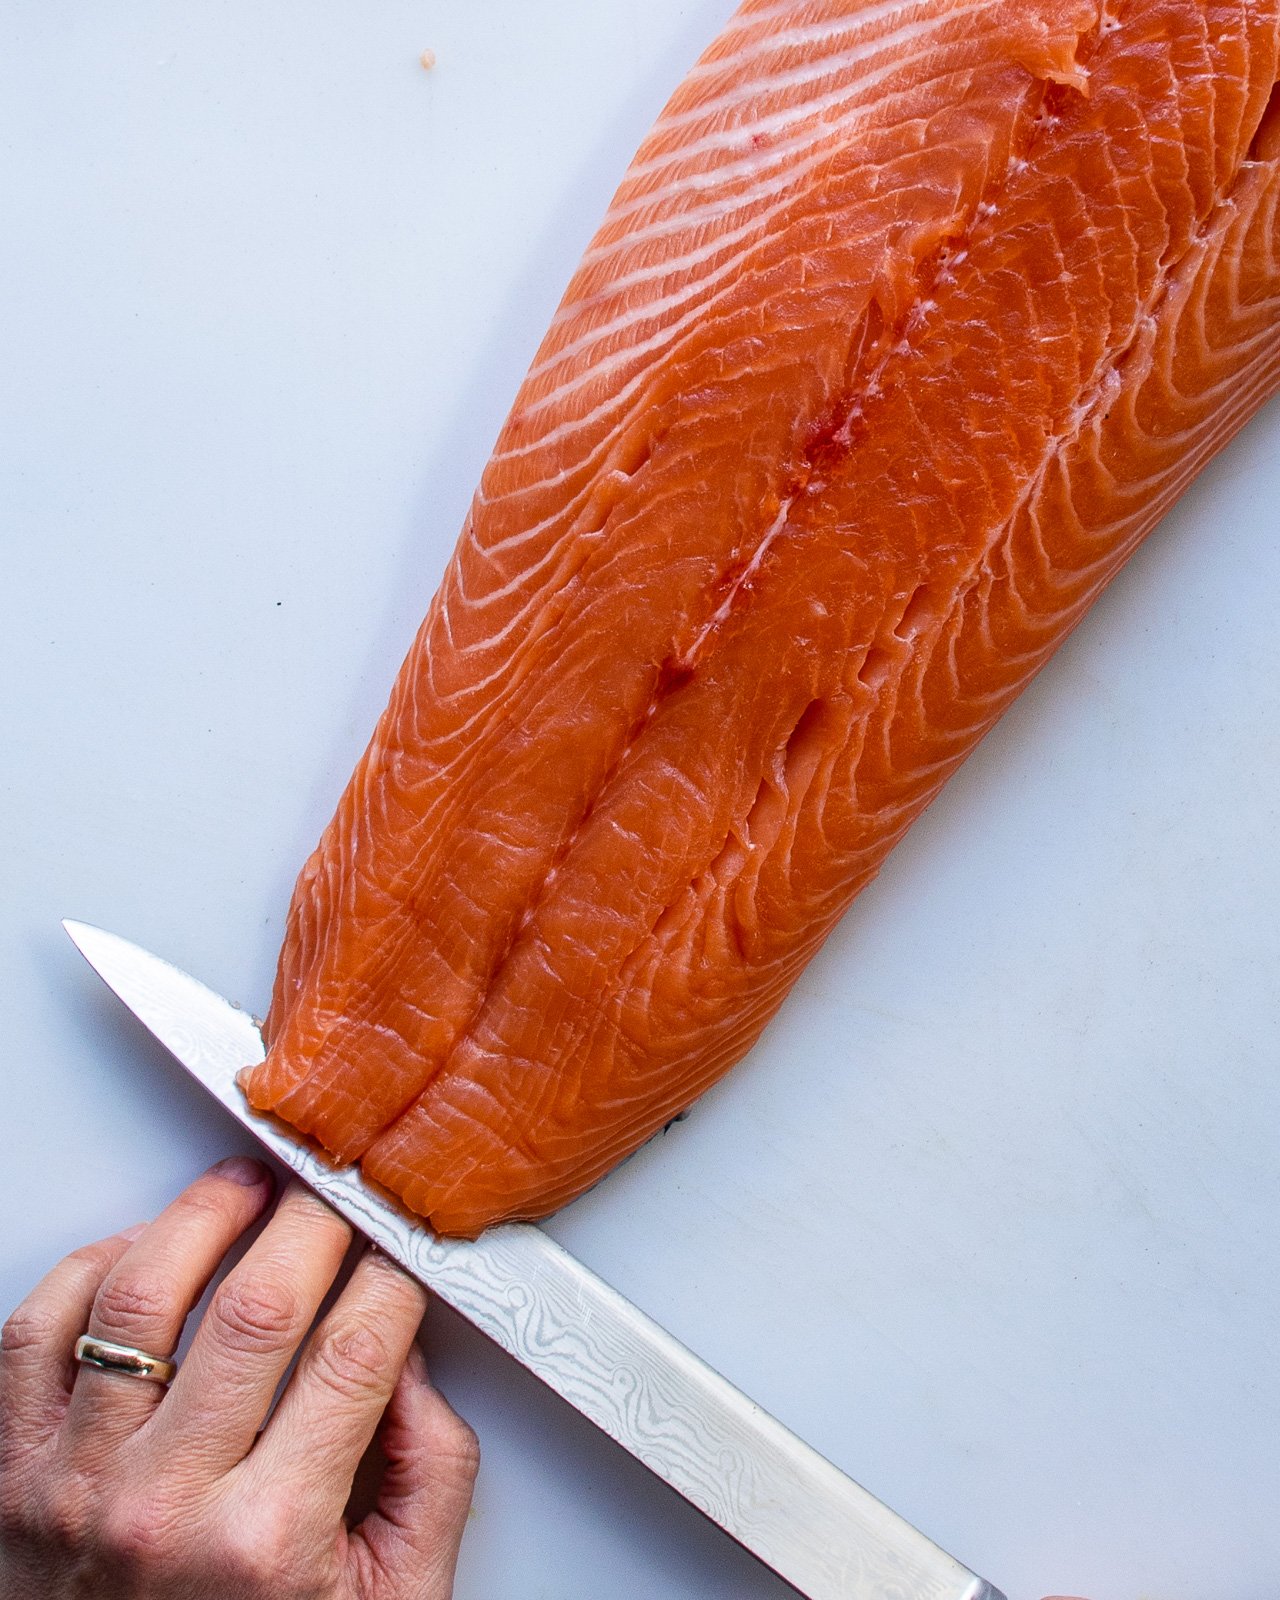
[906, 325]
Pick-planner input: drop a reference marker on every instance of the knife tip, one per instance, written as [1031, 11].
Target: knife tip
[82, 935]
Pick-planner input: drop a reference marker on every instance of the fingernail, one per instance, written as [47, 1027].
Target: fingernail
[135, 1232]
[243, 1170]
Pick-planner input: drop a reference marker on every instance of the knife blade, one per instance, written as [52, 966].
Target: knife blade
[791, 1507]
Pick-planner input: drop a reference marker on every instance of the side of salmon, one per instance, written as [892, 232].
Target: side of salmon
[907, 324]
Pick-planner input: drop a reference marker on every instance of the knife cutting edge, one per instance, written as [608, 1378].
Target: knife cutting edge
[774, 1494]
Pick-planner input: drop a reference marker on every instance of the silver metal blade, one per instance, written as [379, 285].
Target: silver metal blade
[788, 1505]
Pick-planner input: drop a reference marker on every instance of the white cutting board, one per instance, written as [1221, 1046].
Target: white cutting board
[993, 1214]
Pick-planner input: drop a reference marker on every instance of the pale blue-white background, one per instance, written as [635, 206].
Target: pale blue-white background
[993, 1214]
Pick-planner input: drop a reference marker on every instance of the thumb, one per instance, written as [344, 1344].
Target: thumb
[407, 1547]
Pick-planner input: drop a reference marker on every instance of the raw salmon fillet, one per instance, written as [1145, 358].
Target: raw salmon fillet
[908, 322]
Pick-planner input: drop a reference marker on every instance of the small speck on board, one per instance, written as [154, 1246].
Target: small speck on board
[428, 59]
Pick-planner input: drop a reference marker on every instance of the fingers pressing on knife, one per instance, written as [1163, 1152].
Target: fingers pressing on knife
[106, 1474]
[340, 1389]
[255, 1322]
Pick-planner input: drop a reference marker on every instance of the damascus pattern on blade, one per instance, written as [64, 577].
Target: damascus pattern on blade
[738, 1465]
[772, 1492]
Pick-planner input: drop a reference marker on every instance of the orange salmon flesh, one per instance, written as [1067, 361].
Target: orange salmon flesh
[906, 325]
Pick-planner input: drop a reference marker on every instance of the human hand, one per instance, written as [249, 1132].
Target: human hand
[116, 1488]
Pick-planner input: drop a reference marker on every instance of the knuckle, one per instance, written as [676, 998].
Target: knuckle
[64, 1516]
[97, 1257]
[138, 1533]
[131, 1305]
[464, 1448]
[49, 1507]
[27, 1328]
[457, 1444]
[261, 1550]
[254, 1316]
[353, 1361]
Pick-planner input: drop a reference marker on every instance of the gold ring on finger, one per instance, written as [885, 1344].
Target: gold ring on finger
[125, 1359]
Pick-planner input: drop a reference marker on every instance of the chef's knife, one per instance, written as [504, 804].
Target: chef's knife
[773, 1493]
